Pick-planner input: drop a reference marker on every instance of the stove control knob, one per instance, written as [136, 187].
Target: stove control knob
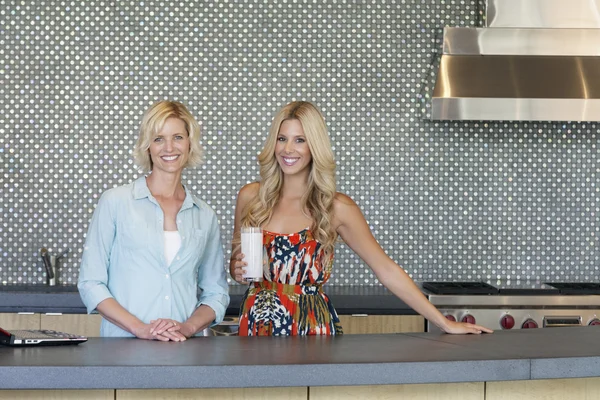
[507, 321]
[468, 319]
[529, 324]
[595, 321]
[450, 317]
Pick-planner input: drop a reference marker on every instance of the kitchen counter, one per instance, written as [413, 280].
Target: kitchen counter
[219, 362]
[65, 299]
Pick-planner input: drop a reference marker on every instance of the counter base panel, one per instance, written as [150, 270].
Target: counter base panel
[554, 389]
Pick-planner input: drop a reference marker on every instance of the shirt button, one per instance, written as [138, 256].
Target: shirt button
[178, 221]
[167, 276]
[178, 257]
[183, 237]
[166, 297]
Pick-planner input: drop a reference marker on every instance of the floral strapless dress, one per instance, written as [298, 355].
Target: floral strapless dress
[290, 299]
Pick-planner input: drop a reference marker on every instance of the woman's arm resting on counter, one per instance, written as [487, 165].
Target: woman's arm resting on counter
[201, 318]
[354, 230]
[118, 315]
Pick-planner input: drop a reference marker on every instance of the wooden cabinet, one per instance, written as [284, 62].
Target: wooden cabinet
[19, 321]
[446, 391]
[559, 389]
[283, 393]
[368, 324]
[80, 324]
[89, 325]
[547, 389]
[108, 394]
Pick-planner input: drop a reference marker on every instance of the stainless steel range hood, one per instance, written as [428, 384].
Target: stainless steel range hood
[538, 60]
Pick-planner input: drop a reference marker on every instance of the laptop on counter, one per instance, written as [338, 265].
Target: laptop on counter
[38, 337]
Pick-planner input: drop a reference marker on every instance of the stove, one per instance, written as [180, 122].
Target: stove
[516, 305]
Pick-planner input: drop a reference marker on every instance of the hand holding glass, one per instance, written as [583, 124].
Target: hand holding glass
[252, 247]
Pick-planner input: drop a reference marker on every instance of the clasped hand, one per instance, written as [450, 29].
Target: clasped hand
[165, 329]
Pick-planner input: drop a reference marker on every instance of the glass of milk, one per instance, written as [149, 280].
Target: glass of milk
[252, 247]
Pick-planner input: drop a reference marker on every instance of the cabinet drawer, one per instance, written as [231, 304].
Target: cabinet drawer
[80, 324]
[366, 324]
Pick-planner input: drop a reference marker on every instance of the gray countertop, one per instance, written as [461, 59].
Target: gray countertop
[65, 299]
[217, 362]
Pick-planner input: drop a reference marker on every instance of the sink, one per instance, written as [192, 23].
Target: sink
[229, 327]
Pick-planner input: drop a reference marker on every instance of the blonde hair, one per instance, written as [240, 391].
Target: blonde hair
[320, 193]
[153, 122]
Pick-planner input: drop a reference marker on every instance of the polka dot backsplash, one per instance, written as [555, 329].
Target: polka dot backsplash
[446, 200]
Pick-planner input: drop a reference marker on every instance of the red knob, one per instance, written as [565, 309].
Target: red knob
[595, 321]
[450, 317]
[468, 318]
[507, 322]
[529, 324]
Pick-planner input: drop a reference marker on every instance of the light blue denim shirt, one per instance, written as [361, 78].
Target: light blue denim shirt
[124, 258]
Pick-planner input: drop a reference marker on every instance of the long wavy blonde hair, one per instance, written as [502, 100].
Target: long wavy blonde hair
[320, 192]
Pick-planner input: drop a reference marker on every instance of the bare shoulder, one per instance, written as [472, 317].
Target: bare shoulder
[344, 209]
[247, 193]
[342, 202]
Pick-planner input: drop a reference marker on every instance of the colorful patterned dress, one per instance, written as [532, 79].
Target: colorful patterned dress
[290, 300]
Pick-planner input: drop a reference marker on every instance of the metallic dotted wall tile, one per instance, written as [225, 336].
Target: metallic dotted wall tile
[447, 200]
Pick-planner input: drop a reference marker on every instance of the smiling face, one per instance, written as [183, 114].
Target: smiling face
[291, 149]
[170, 148]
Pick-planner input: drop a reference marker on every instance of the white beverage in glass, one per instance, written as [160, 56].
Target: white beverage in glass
[252, 247]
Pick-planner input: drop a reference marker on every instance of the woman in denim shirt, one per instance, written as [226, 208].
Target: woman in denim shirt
[152, 264]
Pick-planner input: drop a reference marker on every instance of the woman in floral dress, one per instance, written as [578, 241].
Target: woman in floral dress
[302, 215]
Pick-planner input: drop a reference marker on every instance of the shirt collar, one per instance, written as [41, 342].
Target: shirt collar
[140, 188]
[140, 191]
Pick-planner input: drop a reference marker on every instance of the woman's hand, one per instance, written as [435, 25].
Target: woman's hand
[144, 331]
[463, 328]
[170, 329]
[185, 329]
[237, 268]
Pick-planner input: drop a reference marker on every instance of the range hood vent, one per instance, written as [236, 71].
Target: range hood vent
[538, 60]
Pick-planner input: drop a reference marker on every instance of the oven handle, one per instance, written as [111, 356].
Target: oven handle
[555, 322]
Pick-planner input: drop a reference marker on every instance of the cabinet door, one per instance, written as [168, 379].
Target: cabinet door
[274, 393]
[57, 394]
[545, 389]
[445, 391]
[19, 321]
[80, 324]
[363, 324]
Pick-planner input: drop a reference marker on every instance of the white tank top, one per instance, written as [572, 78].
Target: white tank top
[172, 245]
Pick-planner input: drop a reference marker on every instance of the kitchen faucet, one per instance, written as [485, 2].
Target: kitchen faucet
[51, 264]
